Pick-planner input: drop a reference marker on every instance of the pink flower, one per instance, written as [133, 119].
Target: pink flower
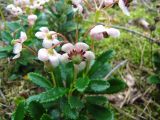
[49, 37]
[31, 19]
[49, 55]
[76, 53]
[99, 32]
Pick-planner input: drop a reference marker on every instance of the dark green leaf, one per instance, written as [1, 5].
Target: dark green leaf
[39, 80]
[19, 113]
[75, 102]
[48, 96]
[102, 72]
[68, 111]
[100, 113]
[82, 84]
[36, 110]
[154, 79]
[99, 85]
[116, 85]
[99, 100]
[100, 61]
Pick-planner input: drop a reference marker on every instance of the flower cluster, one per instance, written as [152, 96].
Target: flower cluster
[20, 6]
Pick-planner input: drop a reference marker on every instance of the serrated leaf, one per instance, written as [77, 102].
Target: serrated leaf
[102, 72]
[39, 80]
[36, 110]
[48, 96]
[75, 102]
[99, 85]
[68, 111]
[99, 100]
[100, 113]
[116, 85]
[45, 117]
[82, 84]
[100, 61]
[154, 79]
[19, 113]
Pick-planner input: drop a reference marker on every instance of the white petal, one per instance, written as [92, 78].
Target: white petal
[64, 58]
[55, 41]
[81, 66]
[40, 35]
[54, 60]
[16, 56]
[67, 47]
[43, 54]
[98, 36]
[113, 32]
[10, 7]
[44, 29]
[17, 48]
[108, 2]
[81, 46]
[123, 7]
[23, 37]
[76, 2]
[97, 29]
[47, 43]
[89, 55]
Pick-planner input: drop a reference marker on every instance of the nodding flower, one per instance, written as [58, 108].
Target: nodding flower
[49, 55]
[32, 19]
[99, 32]
[49, 37]
[18, 45]
[77, 53]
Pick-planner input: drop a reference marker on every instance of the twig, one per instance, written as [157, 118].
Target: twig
[2, 95]
[125, 113]
[115, 68]
[138, 33]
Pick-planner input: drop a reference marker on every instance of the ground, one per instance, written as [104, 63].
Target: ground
[136, 49]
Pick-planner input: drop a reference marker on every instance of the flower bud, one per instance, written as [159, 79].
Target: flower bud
[32, 19]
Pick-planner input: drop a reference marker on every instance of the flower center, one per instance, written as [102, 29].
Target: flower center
[49, 36]
[77, 56]
[50, 51]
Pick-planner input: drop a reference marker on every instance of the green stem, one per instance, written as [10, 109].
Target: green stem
[74, 80]
[53, 79]
[87, 67]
